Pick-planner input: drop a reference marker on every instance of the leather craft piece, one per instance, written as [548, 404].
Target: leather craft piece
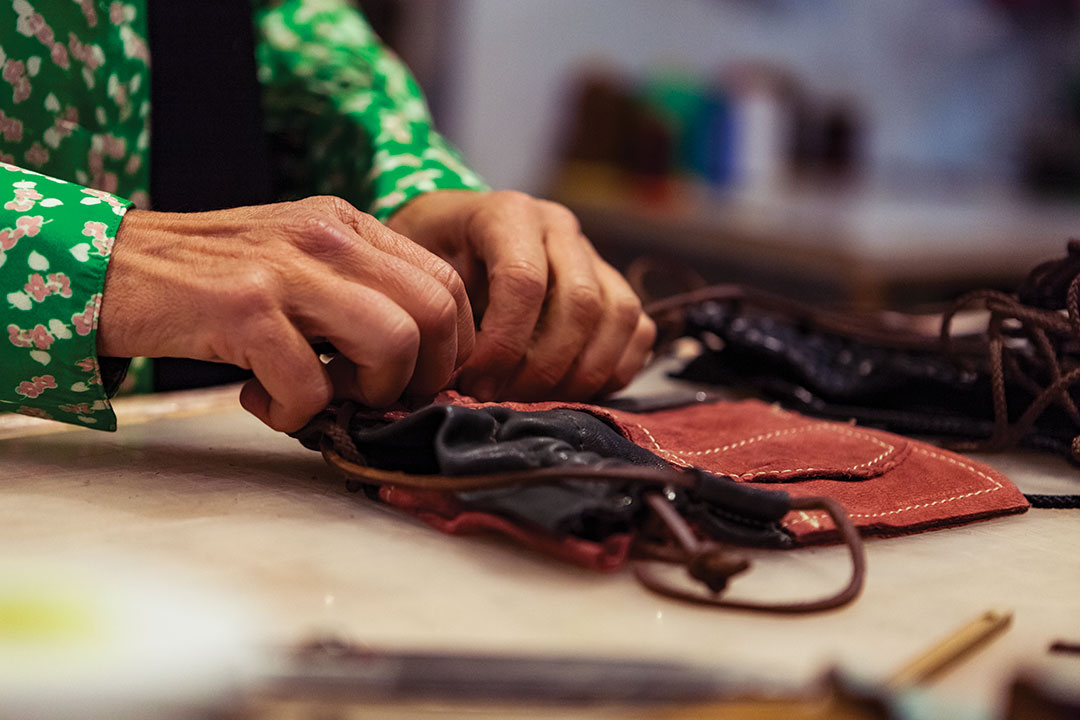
[888, 484]
[994, 372]
[441, 511]
[578, 519]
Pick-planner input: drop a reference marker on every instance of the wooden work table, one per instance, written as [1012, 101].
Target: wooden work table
[193, 484]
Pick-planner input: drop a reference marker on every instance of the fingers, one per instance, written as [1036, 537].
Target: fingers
[574, 309]
[382, 341]
[417, 296]
[637, 353]
[619, 346]
[252, 286]
[399, 315]
[290, 384]
[560, 322]
[412, 287]
[424, 309]
[509, 239]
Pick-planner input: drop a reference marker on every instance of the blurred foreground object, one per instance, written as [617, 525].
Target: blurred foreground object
[104, 637]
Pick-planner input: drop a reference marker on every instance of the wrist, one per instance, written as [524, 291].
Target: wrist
[116, 335]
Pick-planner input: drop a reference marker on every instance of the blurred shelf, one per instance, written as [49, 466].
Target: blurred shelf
[869, 245]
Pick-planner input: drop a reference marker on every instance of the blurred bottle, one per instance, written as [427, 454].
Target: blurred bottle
[762, 128]
[712, 140]
[827, 139]
[649, 162]
[597, 136]
[1051, 164]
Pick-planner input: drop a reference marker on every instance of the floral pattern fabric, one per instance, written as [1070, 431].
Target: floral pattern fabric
[353, 109]
[55, 240]
[74, 140]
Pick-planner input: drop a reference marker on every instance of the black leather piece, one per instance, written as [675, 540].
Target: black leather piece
[831, 375]
[766, 505]
[454, 441]
[587, 510]
[736, 513]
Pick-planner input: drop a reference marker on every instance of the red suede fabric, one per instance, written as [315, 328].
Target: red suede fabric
[888, 484]
[442, 512]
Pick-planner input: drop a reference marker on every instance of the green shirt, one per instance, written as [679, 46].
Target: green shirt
[74, 156]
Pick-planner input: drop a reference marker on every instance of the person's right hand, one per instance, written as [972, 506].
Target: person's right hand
[255, 286]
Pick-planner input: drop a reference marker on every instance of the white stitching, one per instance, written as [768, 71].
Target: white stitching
[680, 459]
[671, 456]
[941, 501]
[766, 436]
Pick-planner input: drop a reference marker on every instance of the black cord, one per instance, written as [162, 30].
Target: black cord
[1054, 502]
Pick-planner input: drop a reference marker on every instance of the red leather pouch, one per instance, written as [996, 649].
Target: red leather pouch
[888, 484]
[740, 473]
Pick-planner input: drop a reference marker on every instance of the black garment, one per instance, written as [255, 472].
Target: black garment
[208, 147]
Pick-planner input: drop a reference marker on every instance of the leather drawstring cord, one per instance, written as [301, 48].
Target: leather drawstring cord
[707, 562]
[703, 559]
[1010, 320]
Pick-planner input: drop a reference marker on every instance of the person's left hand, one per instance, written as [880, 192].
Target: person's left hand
[557, 321]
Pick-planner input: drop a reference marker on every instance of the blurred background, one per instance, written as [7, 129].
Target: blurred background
[874, 153]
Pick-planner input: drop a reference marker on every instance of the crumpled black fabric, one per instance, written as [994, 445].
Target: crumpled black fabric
[455, 441]
[831, 375]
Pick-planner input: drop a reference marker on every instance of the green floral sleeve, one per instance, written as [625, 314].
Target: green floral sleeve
[348, 116]
[55, 240]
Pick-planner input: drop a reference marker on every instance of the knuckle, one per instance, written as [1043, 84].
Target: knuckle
[583, 299]
[560, 216]
[308, 229]
[401, 338]
[592, 378]
[331, 204]
[502, 206]
[439, 309]
[525, 280]
[447, 276]
[322, 216]
[627, 310]
[253, 291]
[547, 373]
[512, 199]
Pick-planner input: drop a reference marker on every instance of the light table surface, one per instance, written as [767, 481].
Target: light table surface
[206, 488]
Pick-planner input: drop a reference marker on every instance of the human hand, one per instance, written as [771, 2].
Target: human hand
[255, 286]
[558, 321]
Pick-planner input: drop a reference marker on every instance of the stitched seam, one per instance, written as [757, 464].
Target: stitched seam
[806, 470]
[766, 436]
[670, 455]
[680, 457]
[920, 506]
